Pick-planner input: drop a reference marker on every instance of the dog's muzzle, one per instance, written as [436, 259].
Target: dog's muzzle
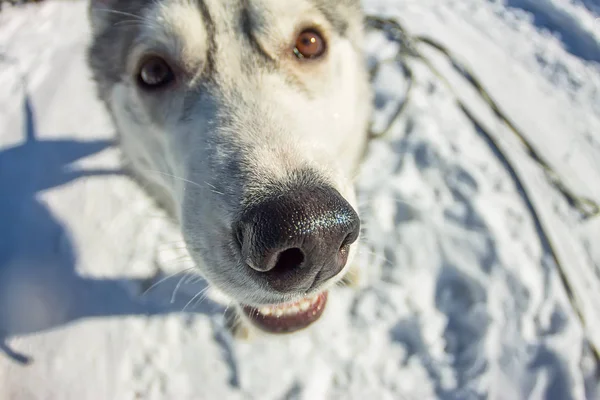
[295, 242]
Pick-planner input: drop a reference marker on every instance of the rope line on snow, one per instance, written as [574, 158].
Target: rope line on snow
[409, 48]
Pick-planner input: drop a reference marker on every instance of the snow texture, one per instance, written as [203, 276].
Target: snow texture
[460, 298]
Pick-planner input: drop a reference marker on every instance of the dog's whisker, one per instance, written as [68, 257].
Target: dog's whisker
[174, 294]
[123, 13]
[174, 177]
[185, 264]
[199, 299]
[132, 24]
[226, 308]
[377, 256]
[211, 185]
[197, 295]
[365, 251]
[185, 180]
[154, 285]
[184, 279]
[136, 20]
[215, 190]
[195, 278]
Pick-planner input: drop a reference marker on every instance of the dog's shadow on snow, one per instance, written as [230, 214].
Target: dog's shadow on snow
[40, 288]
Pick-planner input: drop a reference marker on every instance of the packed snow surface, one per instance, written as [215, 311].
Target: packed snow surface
[459, 299]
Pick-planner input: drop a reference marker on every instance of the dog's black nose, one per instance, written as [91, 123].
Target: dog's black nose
[298, 239]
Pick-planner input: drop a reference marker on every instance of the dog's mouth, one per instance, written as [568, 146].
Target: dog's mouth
[287, 317]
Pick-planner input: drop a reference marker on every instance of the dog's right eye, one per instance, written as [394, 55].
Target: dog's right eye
[309, 45]
[155, 73]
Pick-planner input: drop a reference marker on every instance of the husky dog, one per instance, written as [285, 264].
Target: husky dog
[247, 120]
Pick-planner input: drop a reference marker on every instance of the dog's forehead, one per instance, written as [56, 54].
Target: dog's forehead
[182, 17]
[202, 33]
[191, 29]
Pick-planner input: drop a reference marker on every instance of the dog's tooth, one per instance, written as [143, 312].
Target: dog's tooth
[278, 312]
[304, 305]
[293, 310]
[265, 311]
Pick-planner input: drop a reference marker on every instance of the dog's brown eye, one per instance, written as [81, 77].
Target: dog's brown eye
[309, 44]
[155, 73]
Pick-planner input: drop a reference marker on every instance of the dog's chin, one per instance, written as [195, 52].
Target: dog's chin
[287, 317]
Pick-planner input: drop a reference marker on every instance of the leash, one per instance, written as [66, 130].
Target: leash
[409, 48]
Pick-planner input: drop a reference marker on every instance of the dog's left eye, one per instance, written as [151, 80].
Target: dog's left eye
[309, 44]
[155, 73]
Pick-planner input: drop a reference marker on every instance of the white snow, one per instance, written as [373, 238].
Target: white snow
[460, 298]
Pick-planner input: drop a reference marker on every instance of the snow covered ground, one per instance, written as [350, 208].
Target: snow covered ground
[460, 297]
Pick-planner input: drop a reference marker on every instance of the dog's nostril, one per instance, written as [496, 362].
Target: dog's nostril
[343, 253]
[349, 239]
[289, 259]
[344, 248]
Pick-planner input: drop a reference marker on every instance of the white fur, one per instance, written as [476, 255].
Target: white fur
[268, 122]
